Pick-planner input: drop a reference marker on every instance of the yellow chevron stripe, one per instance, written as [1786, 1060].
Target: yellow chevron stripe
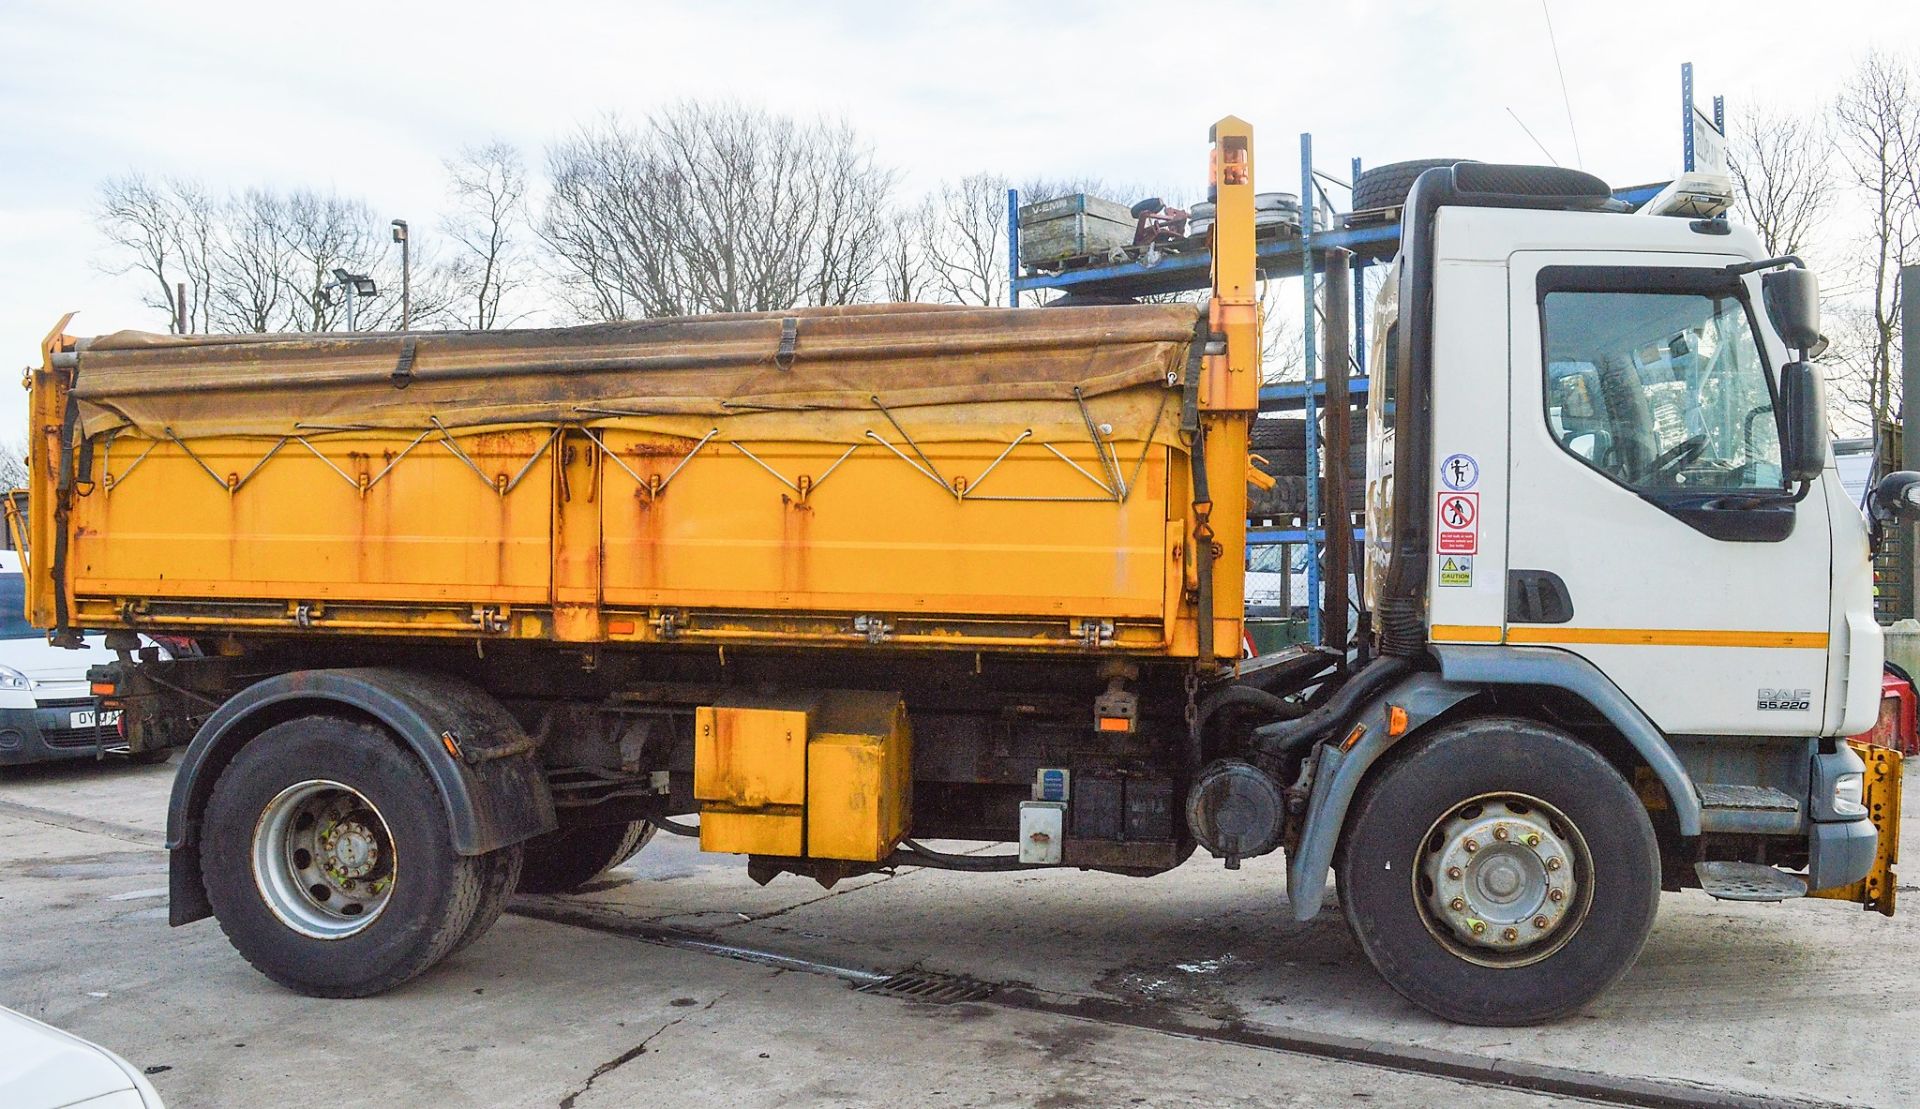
[1644, 637]
[1666, 637]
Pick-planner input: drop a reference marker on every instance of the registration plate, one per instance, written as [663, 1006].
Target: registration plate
[84, 718]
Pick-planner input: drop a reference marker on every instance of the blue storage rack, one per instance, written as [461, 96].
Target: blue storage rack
[1162, 273]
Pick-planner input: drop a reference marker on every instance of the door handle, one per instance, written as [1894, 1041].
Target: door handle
[1537, 597]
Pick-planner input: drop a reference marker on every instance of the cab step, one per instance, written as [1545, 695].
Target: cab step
[1756, 810]
[1749, 882]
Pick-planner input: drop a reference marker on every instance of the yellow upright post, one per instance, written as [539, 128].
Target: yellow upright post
[1230, 388]
[45, 412]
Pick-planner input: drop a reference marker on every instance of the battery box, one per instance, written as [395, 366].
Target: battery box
[825, 775]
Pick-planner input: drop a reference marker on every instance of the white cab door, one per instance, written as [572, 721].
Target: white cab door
[1646, 496]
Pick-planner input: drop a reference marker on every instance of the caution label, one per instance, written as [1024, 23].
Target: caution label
[1457, 529]
[1456, 570]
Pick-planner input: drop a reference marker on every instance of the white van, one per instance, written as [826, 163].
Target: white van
[46, 710]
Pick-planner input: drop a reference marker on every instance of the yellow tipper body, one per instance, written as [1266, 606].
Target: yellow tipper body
[914, 476]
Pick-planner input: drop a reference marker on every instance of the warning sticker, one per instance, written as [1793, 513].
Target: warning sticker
[1460, 472]
[1456, 570]
[1459, 524]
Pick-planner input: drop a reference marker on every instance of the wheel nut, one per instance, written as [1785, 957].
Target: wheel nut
[1510, 934]
[1540, 922]
[1453, 872]
[1533, 839]
[1478, 927]
[1458, 904]
[1556, 895]
[1500, 832]
[1471, 845]
[1553, 864]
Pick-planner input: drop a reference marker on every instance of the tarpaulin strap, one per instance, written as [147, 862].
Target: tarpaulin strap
[789, 340]
[1196, 353]
[63, 513]
[1203, 534]
[403, 369]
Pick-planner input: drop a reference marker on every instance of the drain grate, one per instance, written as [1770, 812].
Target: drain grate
[930, 987]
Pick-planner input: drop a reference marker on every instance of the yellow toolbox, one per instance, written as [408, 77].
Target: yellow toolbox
[826, 775]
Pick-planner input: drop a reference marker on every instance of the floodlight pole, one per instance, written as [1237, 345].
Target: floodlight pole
[406, 275]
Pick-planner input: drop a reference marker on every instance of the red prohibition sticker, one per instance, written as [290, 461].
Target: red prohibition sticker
[1457, 529]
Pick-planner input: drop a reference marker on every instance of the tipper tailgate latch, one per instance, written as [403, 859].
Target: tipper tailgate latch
[875, 628]
[1095, 632]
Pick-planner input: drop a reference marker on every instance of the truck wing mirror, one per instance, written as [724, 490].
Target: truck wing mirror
[1896, 499]
[1803, 400]
[1792, 297]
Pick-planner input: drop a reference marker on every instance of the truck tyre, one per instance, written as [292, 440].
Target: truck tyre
[1387, 186]
[328, 860]
[500, 877]
[565, 859]
[1499, 873]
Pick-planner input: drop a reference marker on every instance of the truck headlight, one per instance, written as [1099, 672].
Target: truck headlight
[1848, 791]
[13, 679]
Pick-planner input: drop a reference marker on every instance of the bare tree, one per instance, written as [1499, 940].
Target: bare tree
[258, 260]
[851, 194]
[965, 240]
[489, 187]
[254, 257]
[139, 216]
[905, 275]
[1848, 361]
[13, 463]
[1877, 119]
[713, 208]
[1782, 166]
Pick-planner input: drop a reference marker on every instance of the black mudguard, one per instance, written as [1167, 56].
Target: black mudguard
[480, 759]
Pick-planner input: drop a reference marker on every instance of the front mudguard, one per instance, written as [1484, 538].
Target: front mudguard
[1340, 766]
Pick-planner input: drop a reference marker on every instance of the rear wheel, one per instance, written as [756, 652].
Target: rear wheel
[565, 859]
[1501, 873]
[329, 863]
[500, 876]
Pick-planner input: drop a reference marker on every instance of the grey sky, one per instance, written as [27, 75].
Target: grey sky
[368, 98]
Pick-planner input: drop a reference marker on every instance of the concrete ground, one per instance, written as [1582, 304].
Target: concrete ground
[1167, 991]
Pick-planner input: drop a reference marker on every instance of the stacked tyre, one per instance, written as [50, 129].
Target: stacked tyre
[1281, 444]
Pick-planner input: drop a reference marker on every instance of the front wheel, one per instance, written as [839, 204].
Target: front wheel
[329, 864]
[1500, 873]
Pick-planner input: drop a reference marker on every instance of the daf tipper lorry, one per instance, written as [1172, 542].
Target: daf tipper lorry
[459, 614]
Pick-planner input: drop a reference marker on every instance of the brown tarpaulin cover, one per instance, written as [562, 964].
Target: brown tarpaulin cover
[679, 376]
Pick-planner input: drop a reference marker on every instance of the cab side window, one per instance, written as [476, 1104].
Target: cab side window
[1663, 392]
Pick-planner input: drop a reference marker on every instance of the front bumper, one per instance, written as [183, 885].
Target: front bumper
[46, 733]
[1854, 860]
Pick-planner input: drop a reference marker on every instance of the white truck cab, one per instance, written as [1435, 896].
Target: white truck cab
[1613, 486]
[1621, 606]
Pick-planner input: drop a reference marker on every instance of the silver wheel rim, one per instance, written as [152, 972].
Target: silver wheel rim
[1503, 880]
[323, 859]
